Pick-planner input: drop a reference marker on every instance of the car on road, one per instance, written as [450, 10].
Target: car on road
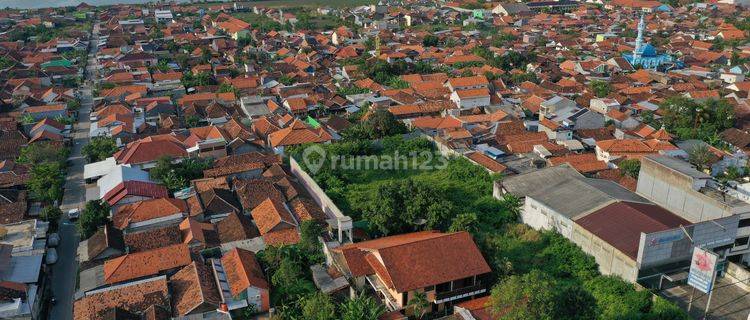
[74, 213]
[51, 256]
[53, 240]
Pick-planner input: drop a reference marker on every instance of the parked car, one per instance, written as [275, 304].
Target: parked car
[51, 256]
[74, 213]
[53, 240]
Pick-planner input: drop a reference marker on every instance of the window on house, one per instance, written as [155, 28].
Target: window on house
[463, 283]
[741, 241]
[443, 287]
[744, 223]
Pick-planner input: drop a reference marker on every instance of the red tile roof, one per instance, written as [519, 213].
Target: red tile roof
[272, 215]
[621, 223]
[134, 298]
[147, 210]
[416, 260]
[486, 162]
[150, 149]
[194, 286]
[243, 271]
[135, 188]
[146, 263]
[583, 163]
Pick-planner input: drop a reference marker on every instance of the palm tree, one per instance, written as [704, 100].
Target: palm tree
[513, 204]
[363, 307]
[419, 304]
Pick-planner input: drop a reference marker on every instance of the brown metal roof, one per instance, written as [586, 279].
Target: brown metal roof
[620, 224]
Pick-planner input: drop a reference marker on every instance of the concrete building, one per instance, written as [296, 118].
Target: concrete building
[697, 197]
[627, 234]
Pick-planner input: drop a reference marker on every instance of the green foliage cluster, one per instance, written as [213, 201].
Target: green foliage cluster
[351, 90]
[539, 275]
[176, 176]
[509, 61]
[601, 89]
[430, 40]
[94, 215]
[630, 167]
[41, 32]
[379, 123]
[318, 22]
[195, 80]
[99, 148]
[259, 21]
[294, 294]
[47, 163]
[6, 62]
[691, 119]
[51, 214]
[545, 276]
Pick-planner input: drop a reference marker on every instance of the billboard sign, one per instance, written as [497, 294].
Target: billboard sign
[676, 244]
[702, 269]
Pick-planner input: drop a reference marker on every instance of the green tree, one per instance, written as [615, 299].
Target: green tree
[600, 88]
[691, 119]
[536, 295]
[74, 104]
[419, 304]
[52, 215]
[630, 167]
[177, 175]
[379, 123]
[617, 299]
[362, 307]
[464, 222]
[42, 152]
[46, 182]
[700, 156]
[99, 148]
[318, 306]
[27, 119]
[310, 230]
[94, 215]
[523, 297]
[430, 41]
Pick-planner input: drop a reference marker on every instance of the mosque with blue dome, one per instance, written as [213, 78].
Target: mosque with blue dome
[645, 55]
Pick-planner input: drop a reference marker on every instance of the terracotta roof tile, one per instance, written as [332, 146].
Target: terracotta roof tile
[272, 215]
[194, 286]
[133, 297]
[407, 262]
[486, 162]
[146, 210]
[137, 265]
[243, 271]
[621, 224]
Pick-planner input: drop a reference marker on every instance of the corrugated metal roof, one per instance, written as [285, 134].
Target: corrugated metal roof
[620, 224]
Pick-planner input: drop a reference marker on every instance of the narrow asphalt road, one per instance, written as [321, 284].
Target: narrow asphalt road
[64, 272]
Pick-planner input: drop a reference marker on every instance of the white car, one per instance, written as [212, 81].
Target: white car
[73, 214]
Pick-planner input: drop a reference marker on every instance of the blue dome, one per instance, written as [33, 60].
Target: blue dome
[648, 50]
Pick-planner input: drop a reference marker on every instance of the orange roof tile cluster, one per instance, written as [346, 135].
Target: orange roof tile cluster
[194, 288]
[150, 149]
[133, 297]
[486, 162]
[146, 263]
[298, 133]
[243, 271]
[407, 262]
[584, 163]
